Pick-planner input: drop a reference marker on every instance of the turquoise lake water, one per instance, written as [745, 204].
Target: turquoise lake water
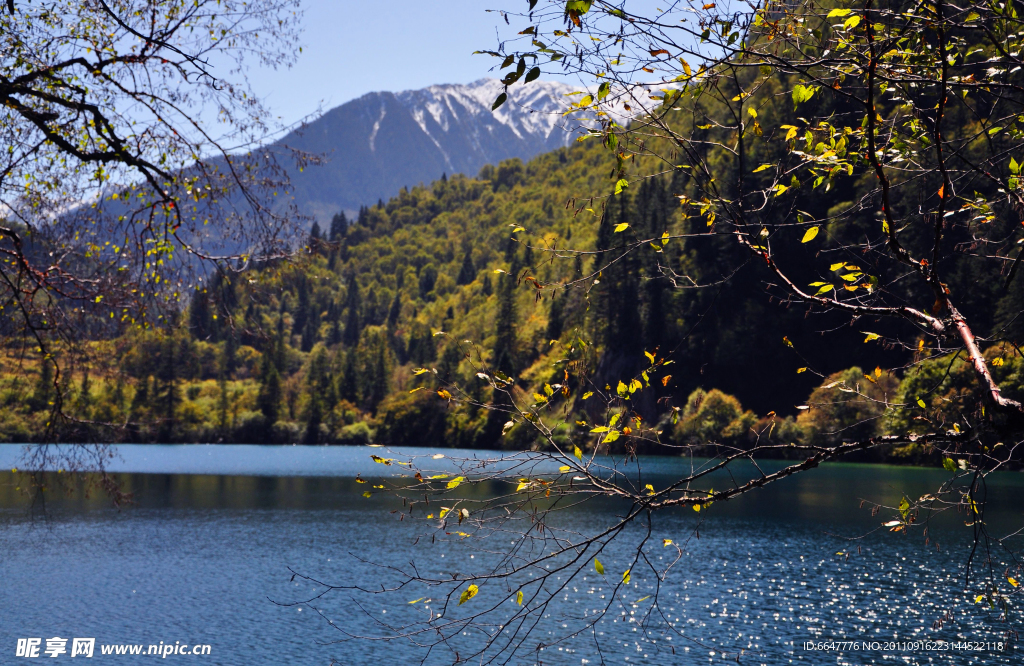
[215, 533]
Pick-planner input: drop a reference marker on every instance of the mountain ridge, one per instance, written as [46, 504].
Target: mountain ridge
[376, 144]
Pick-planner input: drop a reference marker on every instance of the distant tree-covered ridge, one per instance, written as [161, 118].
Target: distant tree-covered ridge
[350, 344]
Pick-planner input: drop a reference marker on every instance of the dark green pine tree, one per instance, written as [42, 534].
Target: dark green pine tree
[200, 315]
[617, 316]
[504, 353]
[315, 234]
[302, 309]
[339, 227]
[42, 396]
[467, 273]
[348, 382]
[448, 365]
[555, 322]
[353, 314]
[167, 396]
[268, 400]
[314, 417]
[654, 208]
[421, 349]
[83, 404]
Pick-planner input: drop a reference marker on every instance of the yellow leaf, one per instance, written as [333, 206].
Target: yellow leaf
[649, 488]
[420, 371]
[519, 597]
[469, 593]
[763, 167]
[587, 394]
[444, 394]
[358, 480]
[367, 494]
[978, 598]
[430, 516]
[800, 370]
[871, 336]
[625, 577]
[696, 507]
[416, 601]
[454, 483]
[809, 235]
[878, 372]
[382, 461]
[686, 67]
[564, 469]
[598, 566]
[838, 12]
[666, 542]
[523, 483]
[444, 511]
[576, 452]
[601, 429]
[621, 227]
[1013, 581]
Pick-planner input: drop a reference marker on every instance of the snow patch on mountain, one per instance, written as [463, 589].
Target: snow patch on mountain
[533, 110]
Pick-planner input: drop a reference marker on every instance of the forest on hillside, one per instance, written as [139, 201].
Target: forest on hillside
[357, 341]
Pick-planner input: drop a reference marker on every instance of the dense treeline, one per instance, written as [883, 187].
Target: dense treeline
[326, 349]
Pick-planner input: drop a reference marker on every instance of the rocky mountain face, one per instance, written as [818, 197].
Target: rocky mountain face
[375, 145]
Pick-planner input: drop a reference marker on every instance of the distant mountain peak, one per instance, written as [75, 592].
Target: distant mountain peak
[384, 141]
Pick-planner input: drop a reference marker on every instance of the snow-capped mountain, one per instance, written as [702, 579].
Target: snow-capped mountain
[383, 141]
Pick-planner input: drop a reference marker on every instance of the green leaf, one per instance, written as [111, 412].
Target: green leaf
[949, 465]
[598, 566]
[578, 7]
[763, 167]
[809, 235]
[532, 75]
[838, 12]
[499, 101]
[851, 22]
[620, 185]
[603, 90]
[454, 483]
[611, 437]
[1014, 167]
[803, 93]
[468, 594]
[621, 227]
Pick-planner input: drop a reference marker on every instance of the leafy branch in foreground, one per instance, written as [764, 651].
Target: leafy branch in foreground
[863, 157]
[128, 172]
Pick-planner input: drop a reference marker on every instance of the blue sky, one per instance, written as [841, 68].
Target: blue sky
[352, 47]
